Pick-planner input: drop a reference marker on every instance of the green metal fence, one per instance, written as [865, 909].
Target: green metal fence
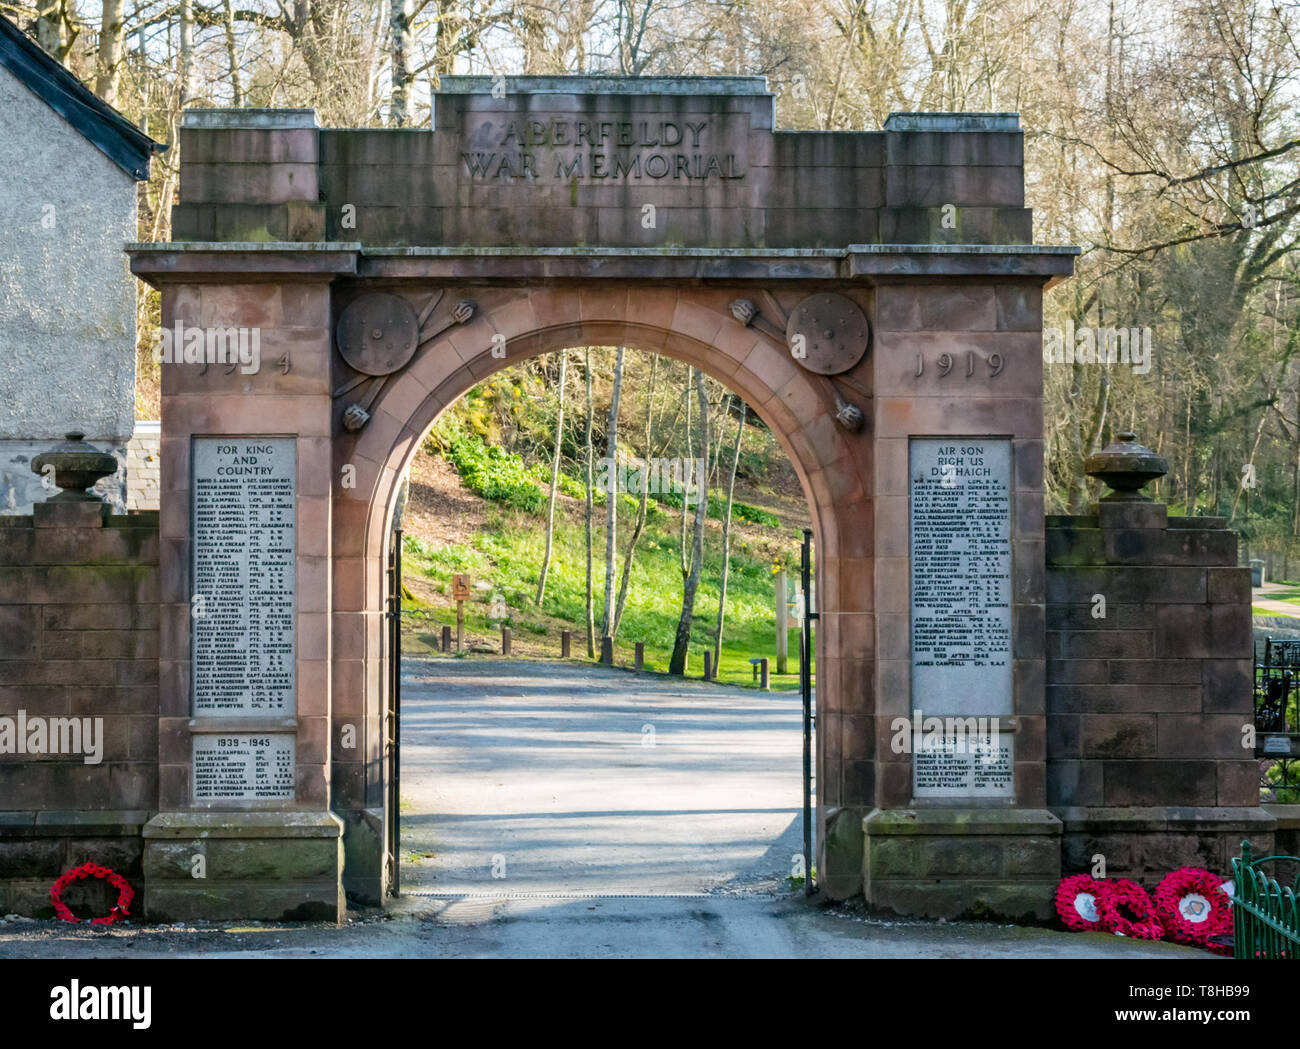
[1265, 917]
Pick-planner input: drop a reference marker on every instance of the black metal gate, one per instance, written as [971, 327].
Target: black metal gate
[806, 691]
[393, 663]
[1277, 719]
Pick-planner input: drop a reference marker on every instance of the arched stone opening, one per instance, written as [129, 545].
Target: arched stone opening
[690, 325]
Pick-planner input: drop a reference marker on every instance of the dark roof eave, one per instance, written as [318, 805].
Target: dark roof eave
[94, 119]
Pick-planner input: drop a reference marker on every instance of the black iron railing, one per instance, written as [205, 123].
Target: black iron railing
[1277, 718]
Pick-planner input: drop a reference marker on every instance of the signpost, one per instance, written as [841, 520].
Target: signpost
[460, 591]
[782, 622]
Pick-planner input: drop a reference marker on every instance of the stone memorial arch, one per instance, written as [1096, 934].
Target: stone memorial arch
[875, 297]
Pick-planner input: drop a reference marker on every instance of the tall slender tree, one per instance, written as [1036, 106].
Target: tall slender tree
[591, 614]
[726, 530]
[555, 481]
[682, 640]
[612, 494]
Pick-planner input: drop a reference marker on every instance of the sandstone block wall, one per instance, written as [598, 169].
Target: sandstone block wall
[1149, 689]
[78, 639]
[562, 162]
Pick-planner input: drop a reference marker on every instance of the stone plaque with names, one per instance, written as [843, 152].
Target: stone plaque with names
[961, 576]
[967, 766]
[960, 543]
[243, 767]
[243, 491]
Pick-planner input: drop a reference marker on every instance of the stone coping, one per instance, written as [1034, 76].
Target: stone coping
[244, 825]
[73, 822]
[952, 122]
[603, 84]
[274, 246]
[249, 119]
[197, 261]
[960, 821]
[1182, 818]
[1175, 524]
[1287, 816]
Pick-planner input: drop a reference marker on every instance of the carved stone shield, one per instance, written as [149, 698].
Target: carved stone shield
[835, 331]
[377, 333]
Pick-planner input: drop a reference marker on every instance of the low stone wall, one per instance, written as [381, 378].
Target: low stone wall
[1149, 689]
[78, 695]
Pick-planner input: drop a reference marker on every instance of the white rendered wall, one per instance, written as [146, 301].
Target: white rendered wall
[67, 298]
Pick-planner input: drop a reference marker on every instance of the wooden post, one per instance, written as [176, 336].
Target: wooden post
[708, 665]
[640, 655]
[765, 684]
[566, 642]
[782, 624]
[446, 638]
[607, 651]
[505, 641]
[460, 626]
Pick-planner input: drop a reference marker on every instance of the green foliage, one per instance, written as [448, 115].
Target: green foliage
[1282, 795]
[494, 474]
[507, 555]
[718, 506]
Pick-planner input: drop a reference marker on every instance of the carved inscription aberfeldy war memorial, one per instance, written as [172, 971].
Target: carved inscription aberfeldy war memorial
[243, 576]
[961, 612]
[566, 149]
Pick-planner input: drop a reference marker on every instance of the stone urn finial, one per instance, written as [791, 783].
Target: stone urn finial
[1125, 466]
[76, 467]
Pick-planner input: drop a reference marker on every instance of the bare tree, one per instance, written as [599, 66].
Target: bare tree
[682, 640]
[726, 531]
[400, 108]
[643, 502]
[612, 494]
[112, 32]
[591, 615]
[555, 481]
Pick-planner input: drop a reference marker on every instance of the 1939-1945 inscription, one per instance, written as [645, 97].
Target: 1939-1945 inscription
[244, 767]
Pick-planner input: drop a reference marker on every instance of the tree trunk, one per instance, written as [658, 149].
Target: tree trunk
[726, 536]
[686, 498]
[555, 483]
[232, 54]
[611, 497]
[55, 30]
[110, 51]
[591, 615]
[642, 505]
[400, 111]
[187, 52]
[682, 642]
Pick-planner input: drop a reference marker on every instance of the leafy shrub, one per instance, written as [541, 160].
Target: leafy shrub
[494, 474]
[718, 505]
[755, 515]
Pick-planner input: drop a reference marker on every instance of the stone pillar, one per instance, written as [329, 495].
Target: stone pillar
[958, 390]
[233, 839]
[1149, 683]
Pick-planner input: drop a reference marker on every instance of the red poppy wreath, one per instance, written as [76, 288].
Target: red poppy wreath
[1193, 906]
[1078, 899]
[125, 894]
[1127, 910]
